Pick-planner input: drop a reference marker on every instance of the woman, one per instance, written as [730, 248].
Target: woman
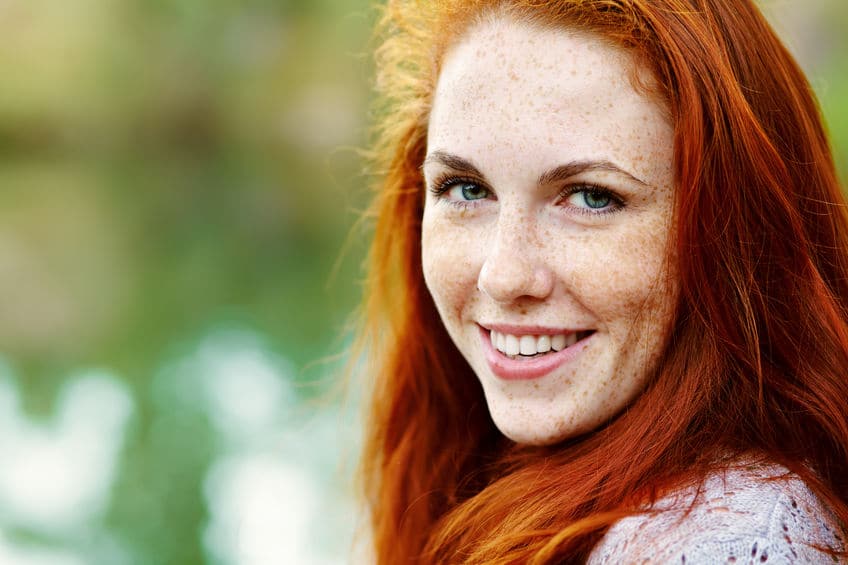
[606, 307]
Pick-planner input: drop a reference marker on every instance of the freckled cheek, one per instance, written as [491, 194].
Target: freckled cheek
[451, 265]
[616, 278]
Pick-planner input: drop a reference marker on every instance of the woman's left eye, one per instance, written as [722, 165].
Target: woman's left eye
[592, 199]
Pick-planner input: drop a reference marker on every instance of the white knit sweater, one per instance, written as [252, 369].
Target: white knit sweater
[753, 514]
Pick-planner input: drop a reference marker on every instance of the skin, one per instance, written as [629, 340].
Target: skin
[499, 247]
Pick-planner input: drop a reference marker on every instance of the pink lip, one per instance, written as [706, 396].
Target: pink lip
[526, 330]
[527, 369]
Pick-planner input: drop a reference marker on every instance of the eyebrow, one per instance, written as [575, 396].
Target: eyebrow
[452, 162]
[557, 174]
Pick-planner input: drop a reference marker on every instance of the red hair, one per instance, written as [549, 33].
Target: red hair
[758, 356]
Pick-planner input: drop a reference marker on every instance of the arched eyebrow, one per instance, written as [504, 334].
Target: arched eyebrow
[568, 170]
[557, 174]
[454, 162]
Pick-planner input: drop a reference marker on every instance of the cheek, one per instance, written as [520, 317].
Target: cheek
[450, 271]
[623, 278]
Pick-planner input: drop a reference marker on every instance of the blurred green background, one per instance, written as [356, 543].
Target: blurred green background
[178, 179]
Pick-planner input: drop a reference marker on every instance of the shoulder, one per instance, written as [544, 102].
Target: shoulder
[757, 513]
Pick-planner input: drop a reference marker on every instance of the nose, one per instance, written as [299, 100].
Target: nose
[515, 266]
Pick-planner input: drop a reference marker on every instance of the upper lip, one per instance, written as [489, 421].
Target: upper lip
[514, 329]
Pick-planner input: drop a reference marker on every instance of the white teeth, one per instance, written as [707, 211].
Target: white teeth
[558, 342]
[512, 347]
[529, 345]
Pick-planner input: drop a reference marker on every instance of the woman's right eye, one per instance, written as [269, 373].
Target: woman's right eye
[467, 191]
[461, 191]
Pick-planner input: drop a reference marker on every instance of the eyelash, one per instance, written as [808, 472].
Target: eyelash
[615, 205]
[442, 184]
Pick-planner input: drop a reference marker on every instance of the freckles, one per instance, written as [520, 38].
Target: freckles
[564, 423]
[448, 269]
[501, 100]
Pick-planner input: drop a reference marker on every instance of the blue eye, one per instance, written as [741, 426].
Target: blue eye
[595, 199]
[460, 191]
[467, 191]
[592, 199]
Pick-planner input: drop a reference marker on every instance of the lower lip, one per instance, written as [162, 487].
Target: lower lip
[529, 368]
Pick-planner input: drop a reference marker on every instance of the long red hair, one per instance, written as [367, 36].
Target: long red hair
[757, 363]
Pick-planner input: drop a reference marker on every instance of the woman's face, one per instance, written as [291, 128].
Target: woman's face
[547, 217]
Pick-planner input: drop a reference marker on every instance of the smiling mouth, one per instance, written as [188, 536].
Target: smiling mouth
[534, 346]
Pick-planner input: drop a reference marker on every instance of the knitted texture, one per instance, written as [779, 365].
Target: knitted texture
[747, 514]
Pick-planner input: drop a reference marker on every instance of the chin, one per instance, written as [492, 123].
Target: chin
[544, 431]
[536, 436]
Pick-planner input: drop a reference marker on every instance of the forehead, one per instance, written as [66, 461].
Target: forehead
[508, 87]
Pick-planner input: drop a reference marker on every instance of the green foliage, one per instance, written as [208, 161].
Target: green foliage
[170, 167]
